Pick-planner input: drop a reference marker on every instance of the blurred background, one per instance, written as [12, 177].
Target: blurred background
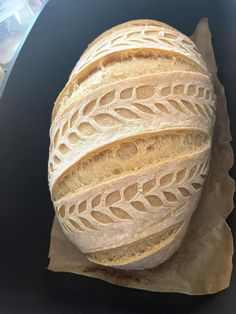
[15, 18]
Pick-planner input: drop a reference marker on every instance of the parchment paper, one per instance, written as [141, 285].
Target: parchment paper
[203, 264]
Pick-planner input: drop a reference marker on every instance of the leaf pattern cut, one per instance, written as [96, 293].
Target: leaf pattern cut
[171, 197]
[200, 110]
[130, 191]
[149, 185]
[166, 179]
[107, 98]
[181, 175]
[55, 139]
[64, 128]
[143, 108]
[207, 110]
[71, 209]
[96, 201]
[154, 200]
[106, 119]
[145, 91]
[74, 118]
[120, 213]
[139, 206]
[196, 186]
[112, 198]
[63, 149]
[73, 138]
[161, 108]
[82, 206]
[86, 223]
[126, 113]
[75, 225]
[86, 129]
[101, 217]
[189, 106]
[176, 105]
[126, 93]
[61, 211]
[89, 107]
[192, 171]
[185, 192]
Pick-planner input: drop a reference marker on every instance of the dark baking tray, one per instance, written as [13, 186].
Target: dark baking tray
[60, 34]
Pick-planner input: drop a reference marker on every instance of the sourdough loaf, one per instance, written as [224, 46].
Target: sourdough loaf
[131, 137]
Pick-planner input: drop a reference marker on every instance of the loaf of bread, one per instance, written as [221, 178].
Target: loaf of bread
[131, 138]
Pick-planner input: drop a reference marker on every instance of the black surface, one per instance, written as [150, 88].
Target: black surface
[57, 39]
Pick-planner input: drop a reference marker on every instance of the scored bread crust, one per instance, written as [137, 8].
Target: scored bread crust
[130, 147]
[136, 205]
[164, 89]
[138, 22]
[146, 253]
[131, 41]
